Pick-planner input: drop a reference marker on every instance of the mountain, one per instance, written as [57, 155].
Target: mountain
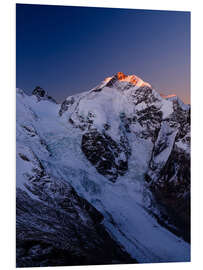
[107, 167]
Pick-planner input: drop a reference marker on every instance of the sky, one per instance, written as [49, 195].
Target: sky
[68, 50]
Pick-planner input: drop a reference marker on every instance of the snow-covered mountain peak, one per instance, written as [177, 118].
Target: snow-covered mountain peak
[122, 81]
[118, 95]
[132, 79]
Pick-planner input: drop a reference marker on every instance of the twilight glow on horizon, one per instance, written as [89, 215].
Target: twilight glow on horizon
[68, 50]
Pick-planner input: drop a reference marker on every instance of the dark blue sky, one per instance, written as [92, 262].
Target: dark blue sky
[67, 50]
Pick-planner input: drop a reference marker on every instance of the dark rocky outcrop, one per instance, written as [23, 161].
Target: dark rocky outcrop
[150, 119]
[41, 94]
[108, 157]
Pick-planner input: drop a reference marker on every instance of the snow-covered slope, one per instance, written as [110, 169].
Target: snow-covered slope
[54, 225]
[111, 145]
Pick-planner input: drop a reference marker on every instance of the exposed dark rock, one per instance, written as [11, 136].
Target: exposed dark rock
[41, 94]
[24, 157]
[97, 89]
[30, 131]
[108, 157]
[38, 91]
[150, 119]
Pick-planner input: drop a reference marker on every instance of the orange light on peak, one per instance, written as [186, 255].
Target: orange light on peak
[121, 76]
[132, 79]
[107, 79]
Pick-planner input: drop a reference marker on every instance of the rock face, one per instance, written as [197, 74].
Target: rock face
[109, 157]
[41, 94]
[102, 176]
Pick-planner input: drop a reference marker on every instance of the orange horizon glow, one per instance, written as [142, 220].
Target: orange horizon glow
[168, 96]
